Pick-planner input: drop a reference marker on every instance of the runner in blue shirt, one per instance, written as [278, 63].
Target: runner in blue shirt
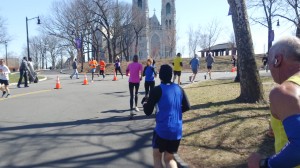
[171, 102]
[150, 74]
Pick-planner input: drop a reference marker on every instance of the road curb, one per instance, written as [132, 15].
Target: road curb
[180, 162]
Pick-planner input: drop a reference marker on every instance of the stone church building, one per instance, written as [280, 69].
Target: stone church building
[158, 38]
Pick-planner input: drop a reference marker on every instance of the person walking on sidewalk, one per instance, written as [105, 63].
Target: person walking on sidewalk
[4, 78]
[177, 63]
[150, 74]
[209, 64]
[75, 71]
[23, 72]
[118, 66]
[102, 66]
[171, 101]
[135, 70]
[93, 65]
[195, 65]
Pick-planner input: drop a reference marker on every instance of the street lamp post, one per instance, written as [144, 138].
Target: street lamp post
[38, 22]
[271, 33]
[6, 53]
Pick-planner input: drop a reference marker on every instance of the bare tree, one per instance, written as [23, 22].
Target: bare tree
[68, 22]
[210, 35]
[170, 41]
[269, 8]
[194, 40]
[251, 87]
[3, 32]
[53, 46]
[290, 11]
[139, 25]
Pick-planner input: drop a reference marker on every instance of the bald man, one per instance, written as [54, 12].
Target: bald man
[284, 64]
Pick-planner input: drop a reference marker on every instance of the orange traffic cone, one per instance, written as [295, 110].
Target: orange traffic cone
[57, 83]
[115, 77]
[85, 81]
[233, 69]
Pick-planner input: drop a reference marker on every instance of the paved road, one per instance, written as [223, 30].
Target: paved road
[76, 126]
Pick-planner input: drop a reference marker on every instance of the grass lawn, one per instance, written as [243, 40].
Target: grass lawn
[218, 131]
[13, 78]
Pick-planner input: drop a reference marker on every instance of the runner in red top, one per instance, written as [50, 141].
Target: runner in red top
[102, 65]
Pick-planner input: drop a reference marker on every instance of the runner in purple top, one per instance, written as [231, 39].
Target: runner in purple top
[135, 70]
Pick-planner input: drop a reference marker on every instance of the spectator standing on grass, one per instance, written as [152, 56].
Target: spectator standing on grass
[209, 64]
[23, 72]
[171, 101]
[233, 61]
[135, 70]
[195, 65]
[4, 78]
[265, 62]
[177, 64]
[284, 63]
[75, 71]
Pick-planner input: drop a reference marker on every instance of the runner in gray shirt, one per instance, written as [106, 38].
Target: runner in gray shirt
[209, 63]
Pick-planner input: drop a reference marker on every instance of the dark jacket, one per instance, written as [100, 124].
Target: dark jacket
[24, 65]
[74, 65]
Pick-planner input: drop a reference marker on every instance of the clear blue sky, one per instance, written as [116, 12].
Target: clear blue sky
[188, 13]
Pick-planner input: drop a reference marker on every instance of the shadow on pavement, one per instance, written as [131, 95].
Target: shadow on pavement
[25, 145]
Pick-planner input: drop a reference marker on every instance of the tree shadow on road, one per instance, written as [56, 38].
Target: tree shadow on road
[28, 145]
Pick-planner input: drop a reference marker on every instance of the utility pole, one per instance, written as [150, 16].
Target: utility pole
[251, 87]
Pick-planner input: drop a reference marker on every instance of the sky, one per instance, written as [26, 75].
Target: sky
[189, 13]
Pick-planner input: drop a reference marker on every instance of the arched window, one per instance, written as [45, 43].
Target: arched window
[140, 3]
[170, 23]
[168, 9]
[167, 24]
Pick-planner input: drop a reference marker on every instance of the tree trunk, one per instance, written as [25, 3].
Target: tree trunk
[251, 87]
[298, 29]
[237, 77]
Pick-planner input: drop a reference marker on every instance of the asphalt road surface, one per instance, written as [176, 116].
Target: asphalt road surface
[78, 125]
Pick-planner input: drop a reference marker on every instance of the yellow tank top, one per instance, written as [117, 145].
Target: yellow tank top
[177, 66]
[277, 126]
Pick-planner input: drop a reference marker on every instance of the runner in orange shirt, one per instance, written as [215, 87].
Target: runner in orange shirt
[102, 65]
[93, 65]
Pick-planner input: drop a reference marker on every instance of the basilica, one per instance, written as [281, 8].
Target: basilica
[158, 38]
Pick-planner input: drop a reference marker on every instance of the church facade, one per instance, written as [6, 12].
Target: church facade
[157, 38]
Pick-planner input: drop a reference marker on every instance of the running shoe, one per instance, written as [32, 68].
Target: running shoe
[4, 92]
[7, 95]
[137, 109]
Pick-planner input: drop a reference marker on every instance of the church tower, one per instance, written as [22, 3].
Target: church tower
[141, 14]
[168, 22]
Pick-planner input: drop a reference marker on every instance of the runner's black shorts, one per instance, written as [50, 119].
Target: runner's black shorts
[178, 73]
[164, 145]
[4, 82]
[101, 72]
[209, 67]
